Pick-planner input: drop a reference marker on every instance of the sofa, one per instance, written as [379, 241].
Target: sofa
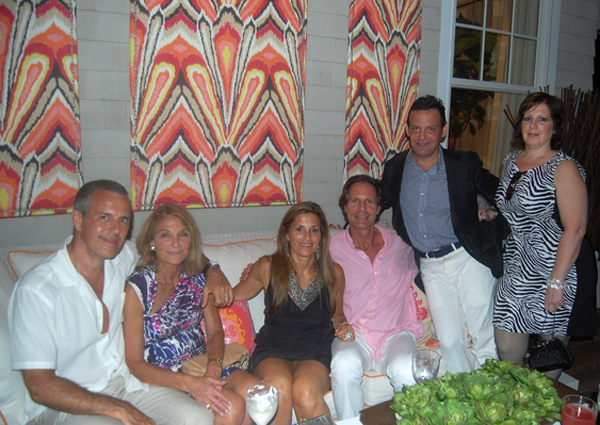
[241, 321]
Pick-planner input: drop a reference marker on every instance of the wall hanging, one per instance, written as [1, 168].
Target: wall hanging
[217, 102]
[383, 81]
[40, 144]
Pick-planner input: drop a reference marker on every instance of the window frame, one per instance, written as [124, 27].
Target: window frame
[546, 55]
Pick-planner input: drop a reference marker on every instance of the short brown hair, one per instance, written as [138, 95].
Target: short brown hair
[194, 263]
[83, 199]
[557, 113]
[427, 103]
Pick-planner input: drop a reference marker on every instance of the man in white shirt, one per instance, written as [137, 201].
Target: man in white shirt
[65, 319]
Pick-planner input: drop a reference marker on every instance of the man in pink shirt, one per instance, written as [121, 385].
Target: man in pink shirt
[378, 303]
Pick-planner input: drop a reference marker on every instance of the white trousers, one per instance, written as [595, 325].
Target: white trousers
[166, 406]
[460, 292]
[351, 359]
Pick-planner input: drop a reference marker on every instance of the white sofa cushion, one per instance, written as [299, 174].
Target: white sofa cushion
[21, 261]
[233, 258]
[12, 387]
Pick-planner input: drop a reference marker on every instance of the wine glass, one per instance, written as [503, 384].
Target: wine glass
[261, 402]
[425, 364]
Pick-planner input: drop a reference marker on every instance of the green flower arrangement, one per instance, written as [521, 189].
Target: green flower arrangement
[499, 393]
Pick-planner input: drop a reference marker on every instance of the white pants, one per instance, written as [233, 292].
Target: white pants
[166, 406]
[351, 359]
[460, 292]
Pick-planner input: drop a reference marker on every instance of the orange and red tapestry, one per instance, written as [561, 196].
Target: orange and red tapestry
[217, 102]
[383, 81]
[40, 143]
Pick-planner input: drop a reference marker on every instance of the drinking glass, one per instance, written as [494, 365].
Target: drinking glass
[578, 410]
[261, 402]
[425, 364]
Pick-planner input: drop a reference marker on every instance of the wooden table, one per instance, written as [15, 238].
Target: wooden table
[381, 414]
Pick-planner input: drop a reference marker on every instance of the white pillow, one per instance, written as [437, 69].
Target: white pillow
[21, 261]
[233, 258]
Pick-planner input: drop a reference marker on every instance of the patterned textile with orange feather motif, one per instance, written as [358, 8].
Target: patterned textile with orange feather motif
[383, 81]
[218, 102]
[40, 143]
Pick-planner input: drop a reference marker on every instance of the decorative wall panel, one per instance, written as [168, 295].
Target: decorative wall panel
[40, 148]
[383, 81]
[218, 102]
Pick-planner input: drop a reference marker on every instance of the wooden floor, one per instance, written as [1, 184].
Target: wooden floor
[587, 363]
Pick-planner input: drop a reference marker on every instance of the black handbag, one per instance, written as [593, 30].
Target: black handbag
[550, 355]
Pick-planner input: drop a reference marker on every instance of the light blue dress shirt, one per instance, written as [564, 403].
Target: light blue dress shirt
[425, 205]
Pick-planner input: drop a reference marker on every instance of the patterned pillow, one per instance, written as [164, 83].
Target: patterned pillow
[237, 325]
[423, 315]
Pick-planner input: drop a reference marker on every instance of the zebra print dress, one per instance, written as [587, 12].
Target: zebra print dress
[530, 249]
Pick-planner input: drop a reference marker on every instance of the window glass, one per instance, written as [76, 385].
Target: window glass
[478, 123]
[499, 15]
[472, 10]
[496, 57]
[523, 64]
[526, 17]
[467, 52]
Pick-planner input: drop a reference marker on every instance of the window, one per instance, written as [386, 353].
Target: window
[496, 52]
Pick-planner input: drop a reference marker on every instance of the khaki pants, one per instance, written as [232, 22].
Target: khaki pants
[166, 406]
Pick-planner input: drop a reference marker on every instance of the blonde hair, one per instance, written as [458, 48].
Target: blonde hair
[194, 263]
[282, 264]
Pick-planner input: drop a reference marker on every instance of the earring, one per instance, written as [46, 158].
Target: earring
[318, 253]
[152, 248]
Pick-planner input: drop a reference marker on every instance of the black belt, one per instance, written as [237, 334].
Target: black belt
[440, 252]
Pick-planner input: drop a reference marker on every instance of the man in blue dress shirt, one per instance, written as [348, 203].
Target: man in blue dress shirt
[433, 194]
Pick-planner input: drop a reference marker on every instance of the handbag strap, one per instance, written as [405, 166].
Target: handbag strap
[553, 324]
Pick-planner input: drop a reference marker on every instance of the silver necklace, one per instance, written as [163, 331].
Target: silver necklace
[303, 298]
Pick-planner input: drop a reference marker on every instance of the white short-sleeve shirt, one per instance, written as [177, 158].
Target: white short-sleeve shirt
[55, 322]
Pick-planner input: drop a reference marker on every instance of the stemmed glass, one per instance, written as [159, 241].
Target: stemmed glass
[261, 402]
[425, 365]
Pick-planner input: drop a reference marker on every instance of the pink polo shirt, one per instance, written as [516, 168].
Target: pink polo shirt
[378, 299]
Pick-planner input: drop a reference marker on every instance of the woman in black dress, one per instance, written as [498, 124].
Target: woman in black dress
[303, 313]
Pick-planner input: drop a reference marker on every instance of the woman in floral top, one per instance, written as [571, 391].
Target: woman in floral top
[163, 315]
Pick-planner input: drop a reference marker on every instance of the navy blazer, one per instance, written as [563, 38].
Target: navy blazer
[466, 178]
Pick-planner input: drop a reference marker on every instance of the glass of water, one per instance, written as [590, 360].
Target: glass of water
[261, 402]
[425, 364]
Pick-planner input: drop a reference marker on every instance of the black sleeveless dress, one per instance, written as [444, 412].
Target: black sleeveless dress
[293, 334]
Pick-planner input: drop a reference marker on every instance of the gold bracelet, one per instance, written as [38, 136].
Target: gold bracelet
[556, 284]
[219, 361]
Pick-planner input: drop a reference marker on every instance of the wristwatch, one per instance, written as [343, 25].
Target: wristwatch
[211, 265]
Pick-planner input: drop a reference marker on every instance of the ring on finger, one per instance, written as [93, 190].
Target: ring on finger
[209, 404]
[347, 335]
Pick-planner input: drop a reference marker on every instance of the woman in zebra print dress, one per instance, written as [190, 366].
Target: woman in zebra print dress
[538, 288]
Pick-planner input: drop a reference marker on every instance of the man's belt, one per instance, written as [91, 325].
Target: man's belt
[440, 252]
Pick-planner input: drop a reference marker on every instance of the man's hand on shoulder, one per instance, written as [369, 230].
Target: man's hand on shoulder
[217, 285]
